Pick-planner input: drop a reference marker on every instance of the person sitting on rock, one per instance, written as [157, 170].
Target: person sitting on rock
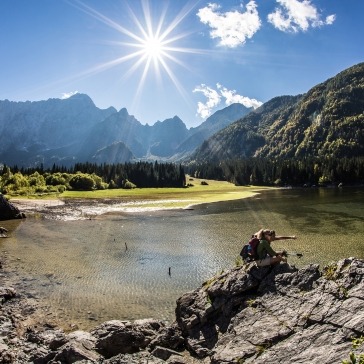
[266, 255]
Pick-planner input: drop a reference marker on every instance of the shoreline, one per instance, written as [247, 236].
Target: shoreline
[67, 209]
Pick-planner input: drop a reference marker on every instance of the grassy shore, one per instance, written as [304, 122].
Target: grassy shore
[199, 193]
[212, 191]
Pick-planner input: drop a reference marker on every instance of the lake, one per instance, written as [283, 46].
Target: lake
[135, 265]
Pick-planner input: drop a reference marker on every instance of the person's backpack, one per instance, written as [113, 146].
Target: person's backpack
[249, 251]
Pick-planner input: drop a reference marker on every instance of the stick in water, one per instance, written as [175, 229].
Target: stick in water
[299, 255]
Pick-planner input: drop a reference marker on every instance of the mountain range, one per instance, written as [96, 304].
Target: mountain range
[65, 132]
[326, 121]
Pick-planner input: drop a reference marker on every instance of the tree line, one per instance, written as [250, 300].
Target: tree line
[249, 171]
[280, 172]
[90, 176]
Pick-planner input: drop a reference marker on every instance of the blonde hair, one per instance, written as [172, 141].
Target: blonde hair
[260, 234]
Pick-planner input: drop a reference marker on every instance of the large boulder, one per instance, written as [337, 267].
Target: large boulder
[8, 211]
[123, 337]
[276, 315]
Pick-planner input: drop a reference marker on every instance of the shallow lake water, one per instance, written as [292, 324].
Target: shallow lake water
[129, 266]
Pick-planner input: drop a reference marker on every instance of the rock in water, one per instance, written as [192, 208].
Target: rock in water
[3, 232]
[8, 211]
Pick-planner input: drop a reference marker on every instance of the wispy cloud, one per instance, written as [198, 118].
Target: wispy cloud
[215, 96]
[231, 97]
[294, 16]
[67, 95]
[233, 28]
[213, 99]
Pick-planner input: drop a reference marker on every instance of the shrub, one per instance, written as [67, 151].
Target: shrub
[56, 179]
[129, 185]
[82, 182]
[36, 179]
[112, 185]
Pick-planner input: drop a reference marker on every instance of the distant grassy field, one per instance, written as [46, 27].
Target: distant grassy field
[207, 192]
[213, 191]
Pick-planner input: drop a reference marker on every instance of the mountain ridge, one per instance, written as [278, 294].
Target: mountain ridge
[326, 121]
[65, 132]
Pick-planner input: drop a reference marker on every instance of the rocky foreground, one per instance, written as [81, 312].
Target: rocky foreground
[245, 315]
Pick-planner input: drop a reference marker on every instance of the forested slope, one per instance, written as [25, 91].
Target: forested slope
[327, 121]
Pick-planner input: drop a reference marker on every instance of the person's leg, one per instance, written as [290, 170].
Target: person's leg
[264, 262]
[271, 261]
[278, 259]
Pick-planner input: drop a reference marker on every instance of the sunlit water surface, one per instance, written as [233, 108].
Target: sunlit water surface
[130, 266]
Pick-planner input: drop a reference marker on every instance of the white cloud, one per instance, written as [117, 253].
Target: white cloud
[231, 97]
[214, 97]
[330, 19]
[296, 15]
[233, 28]
[67, 95]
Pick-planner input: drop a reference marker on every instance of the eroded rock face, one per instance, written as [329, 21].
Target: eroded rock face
[123, 337]
[282, 316]
[248, 314]
[8, 211]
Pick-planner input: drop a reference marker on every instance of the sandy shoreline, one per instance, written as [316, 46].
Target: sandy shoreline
[83, 209]
[73, 205]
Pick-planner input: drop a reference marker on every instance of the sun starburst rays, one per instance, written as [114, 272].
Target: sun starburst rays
[149, 46]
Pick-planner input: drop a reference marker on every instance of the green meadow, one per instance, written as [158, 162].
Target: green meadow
[199, 191]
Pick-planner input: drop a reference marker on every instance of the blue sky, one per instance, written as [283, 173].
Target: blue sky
[161, 58]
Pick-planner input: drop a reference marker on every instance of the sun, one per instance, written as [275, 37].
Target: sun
[153, 47]
[150, 45]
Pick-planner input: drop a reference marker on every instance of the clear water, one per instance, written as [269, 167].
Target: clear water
[131, 266]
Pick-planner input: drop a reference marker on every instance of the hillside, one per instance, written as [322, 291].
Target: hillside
[326, 121]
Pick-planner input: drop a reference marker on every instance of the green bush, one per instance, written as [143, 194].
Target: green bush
[112, 185]
[36, 179]
[129, 185]
[82, 182]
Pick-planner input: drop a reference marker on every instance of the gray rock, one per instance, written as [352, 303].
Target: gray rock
[6, 293]
[8, 211]
[275, 315]
[79, 346]
[314, 326]
[75, 351]
[3, 232]
[163, 353]
[123, 337]
[168, 337]
[137, 358]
